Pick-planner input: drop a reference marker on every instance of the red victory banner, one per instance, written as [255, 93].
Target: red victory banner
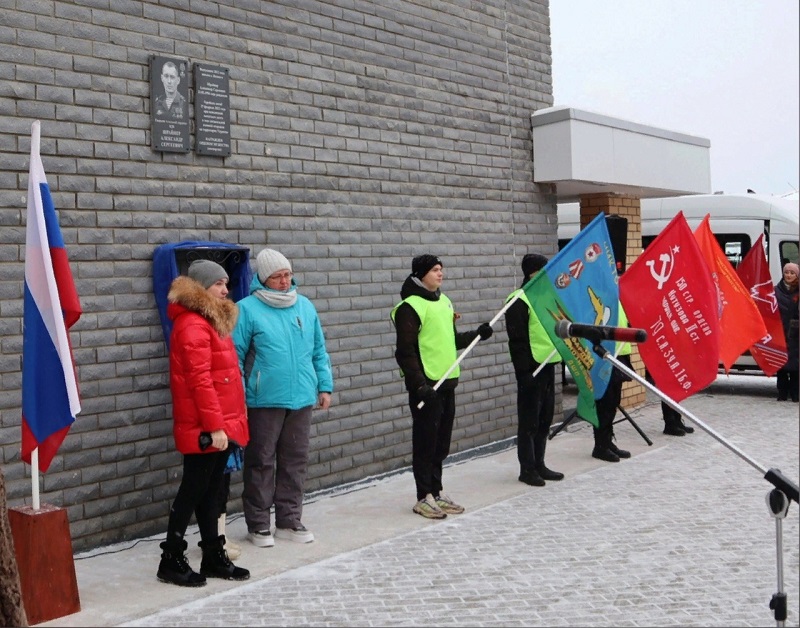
[668, 292]
[739, 320]
[770, 351]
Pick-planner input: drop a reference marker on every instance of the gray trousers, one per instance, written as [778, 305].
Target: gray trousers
[275, 466]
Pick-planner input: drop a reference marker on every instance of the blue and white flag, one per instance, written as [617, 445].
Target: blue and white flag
[580, 284]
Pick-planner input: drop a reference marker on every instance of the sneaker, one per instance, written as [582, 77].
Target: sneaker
[261, 538]
[298, 534]
[448, 506]
[428, 508]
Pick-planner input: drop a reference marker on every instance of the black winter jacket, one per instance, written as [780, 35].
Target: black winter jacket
[788, 306]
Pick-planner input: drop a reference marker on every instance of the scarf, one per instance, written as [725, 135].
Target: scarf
[277, 298]
[422, 285]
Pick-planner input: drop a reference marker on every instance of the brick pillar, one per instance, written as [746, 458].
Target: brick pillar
[630, 207]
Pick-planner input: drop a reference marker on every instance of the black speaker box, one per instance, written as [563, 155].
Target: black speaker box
[618, 232]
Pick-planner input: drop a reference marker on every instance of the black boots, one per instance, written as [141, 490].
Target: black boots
[673, 422]
[216, 563]
[549, 474]
[673, 426]
[603, 444]
[174, 568]
[531, 478]
[621, 453]
[604, 453]
[537, 476]
[677, 428]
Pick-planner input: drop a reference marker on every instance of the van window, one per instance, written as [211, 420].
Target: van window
[789, 252]
[735, 245]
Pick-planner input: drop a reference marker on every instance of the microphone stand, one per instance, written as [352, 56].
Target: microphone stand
[778, 499]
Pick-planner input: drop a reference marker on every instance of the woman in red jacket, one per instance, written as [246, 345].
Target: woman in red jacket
[209, 414]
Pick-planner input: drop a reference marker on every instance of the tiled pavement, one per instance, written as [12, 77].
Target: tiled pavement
[679, 535]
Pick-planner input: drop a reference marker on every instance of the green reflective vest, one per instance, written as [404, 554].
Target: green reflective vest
[437, 336]
[541, 346]
[625, 349]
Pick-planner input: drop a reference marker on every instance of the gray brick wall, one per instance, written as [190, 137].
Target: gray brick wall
[362, 135]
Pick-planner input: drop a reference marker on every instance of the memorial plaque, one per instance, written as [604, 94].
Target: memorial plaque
[212, 112]
[169, 104]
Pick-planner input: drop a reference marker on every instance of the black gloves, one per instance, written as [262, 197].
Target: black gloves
[427, 394]
[485, 331]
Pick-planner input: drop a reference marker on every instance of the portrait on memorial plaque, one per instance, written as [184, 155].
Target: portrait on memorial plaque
[169, 98]
[171, 104]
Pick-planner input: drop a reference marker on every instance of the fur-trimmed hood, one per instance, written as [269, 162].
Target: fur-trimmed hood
[190, 294]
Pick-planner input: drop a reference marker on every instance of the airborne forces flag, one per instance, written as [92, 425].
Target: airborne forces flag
[580, 284]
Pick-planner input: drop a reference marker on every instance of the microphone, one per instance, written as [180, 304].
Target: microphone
[598, 333]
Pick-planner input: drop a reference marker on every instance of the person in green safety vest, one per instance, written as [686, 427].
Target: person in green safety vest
[604, 446]
[530, 348]
[427, 345]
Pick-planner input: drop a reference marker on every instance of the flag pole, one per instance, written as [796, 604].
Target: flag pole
[35, 478]
[546, 361]
[471, 345]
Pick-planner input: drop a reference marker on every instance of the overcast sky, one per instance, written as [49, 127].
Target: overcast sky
[725, 70]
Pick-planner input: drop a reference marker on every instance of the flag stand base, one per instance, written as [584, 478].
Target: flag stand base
[574, 415]
[43, 546]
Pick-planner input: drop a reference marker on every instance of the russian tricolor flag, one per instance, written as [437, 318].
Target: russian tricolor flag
[50, 399]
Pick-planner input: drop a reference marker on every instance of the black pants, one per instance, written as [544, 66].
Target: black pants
[199, 494]
[224, 493]
[788, 385]
[535, 407]
[430, 440]
[607, 405]
[671, 415]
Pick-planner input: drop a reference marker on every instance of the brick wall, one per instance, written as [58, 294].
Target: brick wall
[362, 134]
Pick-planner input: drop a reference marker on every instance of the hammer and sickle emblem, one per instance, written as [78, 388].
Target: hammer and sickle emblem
[666, 269]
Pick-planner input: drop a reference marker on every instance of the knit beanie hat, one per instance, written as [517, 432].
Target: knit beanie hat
[533, 262]
[791, 266]
[422, 264]
[206, 272]
[270, 261]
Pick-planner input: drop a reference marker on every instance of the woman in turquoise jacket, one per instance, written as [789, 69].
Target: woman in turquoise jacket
[287, 372]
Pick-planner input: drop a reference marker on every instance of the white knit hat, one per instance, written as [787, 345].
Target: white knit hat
[270, 261]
